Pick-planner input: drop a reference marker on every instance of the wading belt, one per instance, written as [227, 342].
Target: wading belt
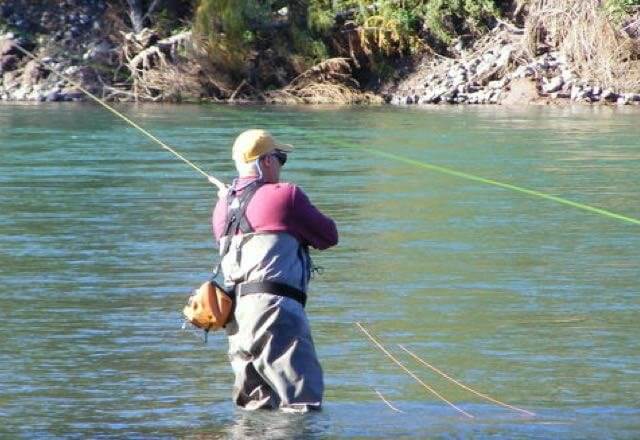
[273, 288]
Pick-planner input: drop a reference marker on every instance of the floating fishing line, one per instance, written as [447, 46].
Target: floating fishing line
[406, 370]
[463, 386]
[381, 153]
[387, 402]
[468, 176]
[211, 179]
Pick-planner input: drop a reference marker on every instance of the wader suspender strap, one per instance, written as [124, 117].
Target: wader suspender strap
[237, 222]
[236, 214]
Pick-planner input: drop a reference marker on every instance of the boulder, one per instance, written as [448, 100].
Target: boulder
[523, 91]
[8, 63]
[495, 85]
[53, 96]
[505, 55]
[450, 96]
[85, 75]
[484, 68]
[72, 94]
[575, 90]
[583, 94]
[553, 85]
[10, 80]
[8, 47]
[623, 100]
[609, 95]
[33, 72]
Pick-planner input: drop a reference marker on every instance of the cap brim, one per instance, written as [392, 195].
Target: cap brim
[287, 148]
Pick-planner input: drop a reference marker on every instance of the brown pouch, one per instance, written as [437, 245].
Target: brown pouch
[209, 308]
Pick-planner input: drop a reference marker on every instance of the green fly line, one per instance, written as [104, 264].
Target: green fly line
[468, 176]
[380, 153]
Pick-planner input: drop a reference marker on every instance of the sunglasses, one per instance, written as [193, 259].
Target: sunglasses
[281, 156]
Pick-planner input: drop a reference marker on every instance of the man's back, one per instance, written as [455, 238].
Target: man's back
[282, 207]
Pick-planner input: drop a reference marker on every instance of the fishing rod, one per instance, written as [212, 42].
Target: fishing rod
[444, 170]
[221, 186]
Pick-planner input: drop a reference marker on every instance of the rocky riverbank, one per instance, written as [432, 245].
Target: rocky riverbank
[78, 39]
[66, 36]
[26, 79]
[498, 70]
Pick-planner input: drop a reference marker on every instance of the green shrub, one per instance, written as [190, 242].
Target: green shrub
[446, 18]
[618, 9]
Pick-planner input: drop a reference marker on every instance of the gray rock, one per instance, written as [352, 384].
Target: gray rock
[495, 85]
[583, 95]
[450, 96]
[21, 93]
[484, 68]
[524, 72]
[592, 98]
[489, 57]
[554, 85]
[622, 100]
[609, 95]
[8, 47]
[8, 63]
[575, 90]
[505, 55]
[567, 75]
[33, 72]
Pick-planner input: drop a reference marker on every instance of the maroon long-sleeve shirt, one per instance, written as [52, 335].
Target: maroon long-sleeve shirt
[282, 207]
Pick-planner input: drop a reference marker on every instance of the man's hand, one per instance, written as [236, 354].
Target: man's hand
[222, 192]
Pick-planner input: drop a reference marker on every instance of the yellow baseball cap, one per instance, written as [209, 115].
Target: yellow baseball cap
[251, 144]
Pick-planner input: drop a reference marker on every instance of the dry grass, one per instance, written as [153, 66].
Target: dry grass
[329, 82]
[173, 82]
[581, 30]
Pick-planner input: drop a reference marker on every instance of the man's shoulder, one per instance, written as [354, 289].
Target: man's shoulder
[281, 188]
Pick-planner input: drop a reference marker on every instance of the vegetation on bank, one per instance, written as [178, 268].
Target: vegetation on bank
[251, 48]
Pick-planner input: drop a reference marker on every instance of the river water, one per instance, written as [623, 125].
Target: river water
[535, 303]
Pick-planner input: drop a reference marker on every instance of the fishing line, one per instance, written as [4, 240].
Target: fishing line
[468, 176]
[396, 157]
[387, 402]
[463, 386]
[211, 179]
[406, 370]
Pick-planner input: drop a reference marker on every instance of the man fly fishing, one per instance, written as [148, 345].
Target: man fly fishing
[264, 228]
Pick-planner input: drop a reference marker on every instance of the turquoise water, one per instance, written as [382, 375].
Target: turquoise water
[103, 234]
